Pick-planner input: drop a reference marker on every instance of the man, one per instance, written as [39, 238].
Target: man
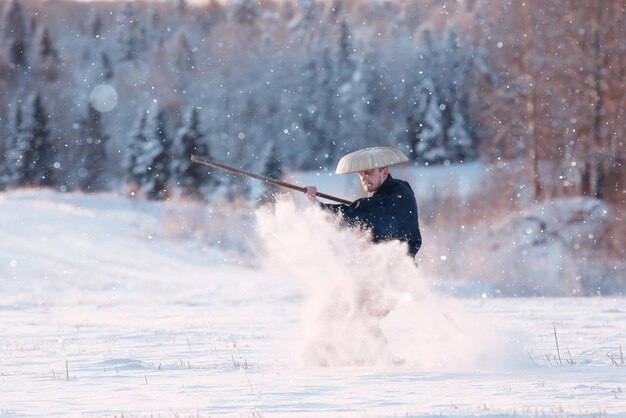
[389, 211]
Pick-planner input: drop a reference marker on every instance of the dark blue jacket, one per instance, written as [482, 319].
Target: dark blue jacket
[390, 213]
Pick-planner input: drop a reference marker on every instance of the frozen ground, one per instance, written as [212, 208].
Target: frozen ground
[104, 313]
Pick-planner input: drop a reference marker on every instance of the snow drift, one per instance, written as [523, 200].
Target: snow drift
[549, 249]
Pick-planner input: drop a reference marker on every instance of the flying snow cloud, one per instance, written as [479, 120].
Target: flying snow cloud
[365, 304]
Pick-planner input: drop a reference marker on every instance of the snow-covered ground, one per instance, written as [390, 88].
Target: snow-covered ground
[111, 306]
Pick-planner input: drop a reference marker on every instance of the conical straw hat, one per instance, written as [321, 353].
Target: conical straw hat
[369, 158]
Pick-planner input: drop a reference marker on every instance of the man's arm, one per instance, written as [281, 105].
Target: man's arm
[310, 192]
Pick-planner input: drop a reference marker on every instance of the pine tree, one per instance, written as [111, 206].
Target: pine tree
[40, 153]
[182, 59]
[13, 171]
[136, 142]
[459, 142]
[431, 145]
[46, 57]
[349, 103]
[273, 166]
[346, 65]
[93, 152]
[154, 163]
[95, 25]
[419, 98]
[191, 140]
[15, 33]
[45, 46]
[245, 12]
[129, 33]
[107, 68]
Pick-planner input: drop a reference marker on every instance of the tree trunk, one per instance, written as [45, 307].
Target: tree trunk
[531, 112]
[599, 164]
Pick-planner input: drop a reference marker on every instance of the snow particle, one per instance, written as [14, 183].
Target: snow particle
[13, 263]
[103, 98]
[443, 258]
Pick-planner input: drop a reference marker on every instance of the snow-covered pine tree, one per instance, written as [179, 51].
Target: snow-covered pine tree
[95, 24]
[305, 15]
[12, 172]
[326, 117]
[15, 33]
[273, 167]
[107, 72]
[137, 138]
[244, 12]
[459, 143]
[155, 161]
[182, 61]
[195, 179]
[448, 64]
[46, 57]
[349, 106]
[312, 100]
[431, 145]
[92, 153]
[40, 153]
[128, 33]
[419, 97]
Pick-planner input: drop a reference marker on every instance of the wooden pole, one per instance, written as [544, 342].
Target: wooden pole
[199, 160]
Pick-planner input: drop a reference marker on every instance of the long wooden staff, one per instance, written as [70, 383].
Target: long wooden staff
[197, 159]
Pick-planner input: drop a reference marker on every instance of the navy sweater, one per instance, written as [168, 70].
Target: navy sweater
[390, 213]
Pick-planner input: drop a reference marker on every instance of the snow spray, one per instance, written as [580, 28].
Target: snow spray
[365, 304]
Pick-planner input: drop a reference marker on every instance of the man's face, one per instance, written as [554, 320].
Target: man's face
[372, 179]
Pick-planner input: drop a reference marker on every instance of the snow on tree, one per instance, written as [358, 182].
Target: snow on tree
[244, 12]
[15, 33]
[137, 138]
[428, 125]
[129, 34]
[39, 156]
[181, 59]
[349, 91]
[449, 65]
[107, 72]
[13, 170]
[273, 166]
[92, 152]
[153, 165]
[303, 21]
[95, 25]
[194, 178]
[459, 143]
[312, 105]
[46, 57]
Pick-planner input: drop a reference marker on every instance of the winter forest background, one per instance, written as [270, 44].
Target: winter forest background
[115, 97]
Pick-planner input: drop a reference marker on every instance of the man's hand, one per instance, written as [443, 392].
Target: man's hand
[310, 192]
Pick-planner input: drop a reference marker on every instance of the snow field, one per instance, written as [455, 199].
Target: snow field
[106, 310]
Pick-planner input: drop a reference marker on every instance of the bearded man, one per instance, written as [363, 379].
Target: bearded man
[389, 211]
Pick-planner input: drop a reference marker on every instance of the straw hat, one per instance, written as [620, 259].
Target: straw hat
[368, 158]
